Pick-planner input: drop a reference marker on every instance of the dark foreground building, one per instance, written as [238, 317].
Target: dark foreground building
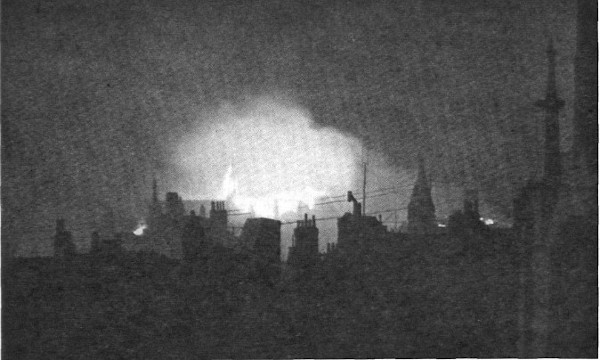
[304, 251]
[556, 221]
[63, 241]
[262, 237]
[194, 243]
[357, 231]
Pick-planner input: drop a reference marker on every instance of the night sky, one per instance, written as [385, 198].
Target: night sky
[97, 96]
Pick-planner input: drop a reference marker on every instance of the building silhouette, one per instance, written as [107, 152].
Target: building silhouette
[535, 202]
[468, 221]
[216, 226]
[304, 251]
[174, 206]
[585, 116]
[106, 246]
[551, 105]
[173, 233]
[194, 242]
[155, 208]
[357, 231]
[421, 211]
[262, 237]
[569, 296]
[534, 212]
[63, 241]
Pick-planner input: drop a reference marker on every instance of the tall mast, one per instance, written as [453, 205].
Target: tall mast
[154, 191]
[364, 188]
[552, 105]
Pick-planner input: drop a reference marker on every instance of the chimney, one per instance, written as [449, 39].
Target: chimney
[357, 210]
[306, 219]
[60, 225]
[314, 223]
[356, 205]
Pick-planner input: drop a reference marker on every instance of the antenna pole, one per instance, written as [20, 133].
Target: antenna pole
[364, 189]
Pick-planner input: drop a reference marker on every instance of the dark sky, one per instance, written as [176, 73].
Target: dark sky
[96, 94]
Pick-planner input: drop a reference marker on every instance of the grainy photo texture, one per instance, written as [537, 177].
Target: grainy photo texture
[299, 179]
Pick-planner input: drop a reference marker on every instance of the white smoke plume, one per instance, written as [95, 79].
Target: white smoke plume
[266, 154]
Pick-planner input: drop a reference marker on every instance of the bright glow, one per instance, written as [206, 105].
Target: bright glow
[229, 187]
[442, 225]
[487, 221]
[140, 229]
[285, 202]
[266, 155]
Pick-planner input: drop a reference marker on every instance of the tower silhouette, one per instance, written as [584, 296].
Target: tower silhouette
[155, 210]
[552, 105]
[421, 211]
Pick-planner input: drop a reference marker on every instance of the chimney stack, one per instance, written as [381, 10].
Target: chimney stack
[356, 211]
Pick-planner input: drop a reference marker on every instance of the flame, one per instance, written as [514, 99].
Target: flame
[230, 184]
[140, 229]
[270, 151]
[271, 205]
[487, 221]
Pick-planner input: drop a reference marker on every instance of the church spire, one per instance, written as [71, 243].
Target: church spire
[155, 210]
[552, 105]
[422, 177]
[421, 211]
[551, 92]
[154, 191]
[422, 186]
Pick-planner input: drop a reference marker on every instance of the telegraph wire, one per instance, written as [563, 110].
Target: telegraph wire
[316, 219]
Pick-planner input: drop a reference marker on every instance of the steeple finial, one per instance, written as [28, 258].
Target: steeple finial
[154, 191]
[421, 210]
[552, 105]
[551, 92]
[422, 174]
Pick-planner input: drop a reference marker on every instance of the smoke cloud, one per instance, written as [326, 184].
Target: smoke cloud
[264, 154]
[268, 156]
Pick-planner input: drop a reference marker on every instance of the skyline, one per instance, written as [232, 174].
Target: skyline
[98, 96]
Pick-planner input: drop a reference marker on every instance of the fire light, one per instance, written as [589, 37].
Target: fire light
[139, 231]
[268, 157]
[487, 221]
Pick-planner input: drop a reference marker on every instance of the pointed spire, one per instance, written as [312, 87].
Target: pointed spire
[551, 102]
[155, 208]
[551, 92]
[154, 191]
[421, 210]
[422, 183]
[552, 105]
